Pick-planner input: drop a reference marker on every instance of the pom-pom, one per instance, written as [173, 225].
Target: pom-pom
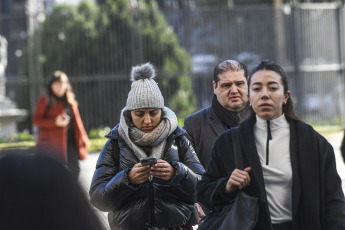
[142, 72]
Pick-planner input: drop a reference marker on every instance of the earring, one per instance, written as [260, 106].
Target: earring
[284, 102]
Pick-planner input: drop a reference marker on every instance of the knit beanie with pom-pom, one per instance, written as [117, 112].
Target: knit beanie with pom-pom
[144, 91]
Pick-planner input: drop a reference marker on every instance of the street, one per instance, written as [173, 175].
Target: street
[88, 167]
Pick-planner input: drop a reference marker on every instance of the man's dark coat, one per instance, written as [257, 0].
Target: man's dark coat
[317, 197]
[203, 128]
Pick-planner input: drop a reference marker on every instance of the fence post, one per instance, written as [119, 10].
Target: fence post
[340, 37]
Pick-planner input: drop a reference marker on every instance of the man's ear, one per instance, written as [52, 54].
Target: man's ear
[214, 85]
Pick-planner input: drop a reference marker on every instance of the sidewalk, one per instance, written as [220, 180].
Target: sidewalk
[87, 168]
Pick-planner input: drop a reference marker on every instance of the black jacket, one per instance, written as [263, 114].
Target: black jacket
[317, 197]
[155, 203]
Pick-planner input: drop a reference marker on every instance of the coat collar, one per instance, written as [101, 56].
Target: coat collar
[215, 123]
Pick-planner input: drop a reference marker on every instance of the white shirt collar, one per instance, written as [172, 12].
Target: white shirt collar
[275, 123]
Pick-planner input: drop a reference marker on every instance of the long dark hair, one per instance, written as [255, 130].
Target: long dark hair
[68, 97]
[267, 65]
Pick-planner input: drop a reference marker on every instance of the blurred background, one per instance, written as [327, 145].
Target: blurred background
[97, 42]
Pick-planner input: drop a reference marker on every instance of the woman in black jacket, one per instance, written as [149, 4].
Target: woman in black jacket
[138, 196]
[287, 165]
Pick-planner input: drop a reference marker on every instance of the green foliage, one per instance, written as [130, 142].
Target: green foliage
[91, 40]
[15, 146]
[99, 133]
[183, 99]
[66, 36]
[19, 141]
[22, 136]
[180, 122]
[96, 144]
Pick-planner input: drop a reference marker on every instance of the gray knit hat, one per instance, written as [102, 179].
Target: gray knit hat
[144, 91]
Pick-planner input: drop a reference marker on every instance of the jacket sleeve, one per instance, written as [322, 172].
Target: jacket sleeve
[39, 118]
[188, 170]
[333, 194]
[82, 132]
[211, 187]
[110, 187]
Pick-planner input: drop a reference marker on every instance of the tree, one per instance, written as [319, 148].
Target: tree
[109, 39]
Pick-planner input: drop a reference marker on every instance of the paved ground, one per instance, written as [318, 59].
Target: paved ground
[336, 139]
[88, 166]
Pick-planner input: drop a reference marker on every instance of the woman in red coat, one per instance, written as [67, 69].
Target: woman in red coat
[61, 130]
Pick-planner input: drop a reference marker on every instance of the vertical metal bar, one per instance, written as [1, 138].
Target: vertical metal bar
[341, 74]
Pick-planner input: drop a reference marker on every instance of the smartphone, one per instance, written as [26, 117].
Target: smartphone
[65, 117]
[148, 161]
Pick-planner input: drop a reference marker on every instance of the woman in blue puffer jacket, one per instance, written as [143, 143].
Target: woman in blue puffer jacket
[138, 196]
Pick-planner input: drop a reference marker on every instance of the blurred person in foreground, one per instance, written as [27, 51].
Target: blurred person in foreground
[158, 196]
[61, 130]
[38, 193]
[287, 164]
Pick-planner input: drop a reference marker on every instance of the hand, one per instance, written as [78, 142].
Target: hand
[162, 170]
[139, 174]
[201, 212]
[62, 120]
[238, 178]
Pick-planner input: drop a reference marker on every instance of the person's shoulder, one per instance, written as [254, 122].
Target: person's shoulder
[42, 101]
[179, 134]
[309, 131]
[179, 130]
[43, 98]
[227, 132]
[305, 127]
[113, 134]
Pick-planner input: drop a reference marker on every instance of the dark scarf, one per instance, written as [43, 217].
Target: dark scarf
[229, 118]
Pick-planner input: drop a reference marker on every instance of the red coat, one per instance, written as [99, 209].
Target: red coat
[53, 139]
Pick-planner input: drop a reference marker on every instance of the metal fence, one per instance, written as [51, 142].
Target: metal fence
[306, 39]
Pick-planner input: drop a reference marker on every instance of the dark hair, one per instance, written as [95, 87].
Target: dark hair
[229, 65]
[267, 65]
[59, 76]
